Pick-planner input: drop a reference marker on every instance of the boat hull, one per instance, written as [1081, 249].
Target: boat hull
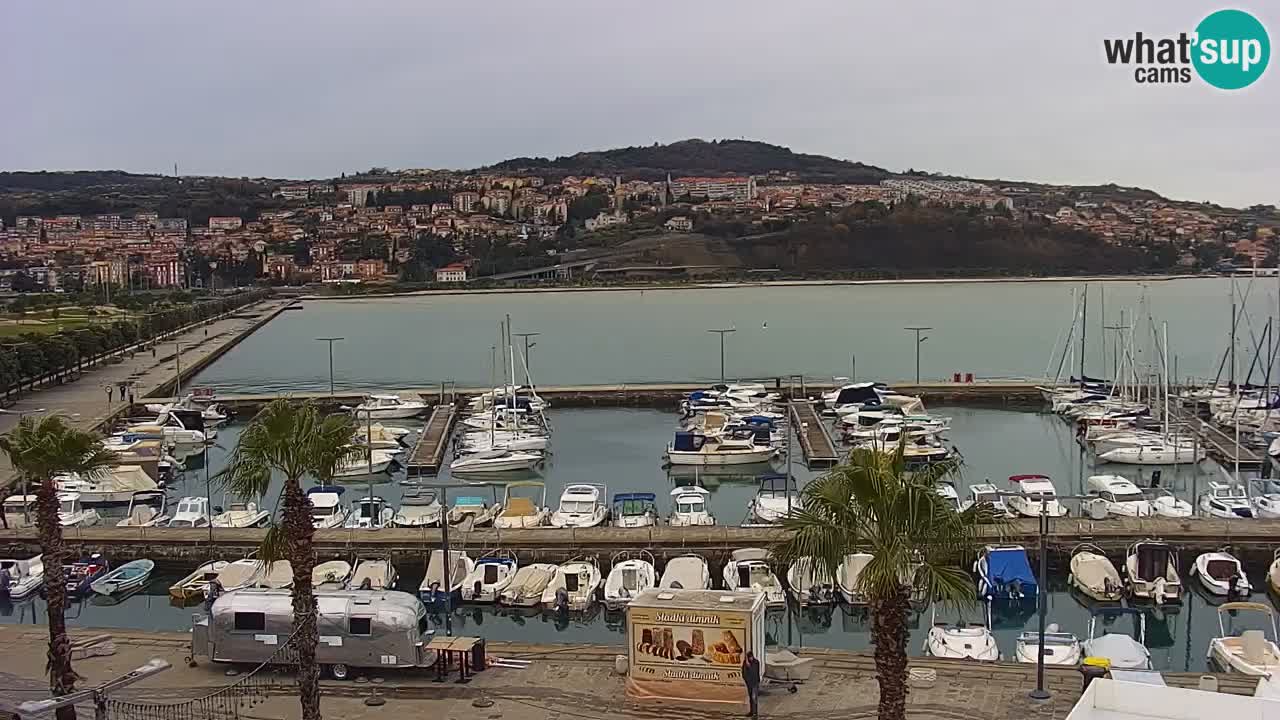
[735, 457]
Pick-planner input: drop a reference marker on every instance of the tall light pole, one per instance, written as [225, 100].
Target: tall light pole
[528, 371]
[721, 333]
[331, 341]
[919, 339]
[177, 359]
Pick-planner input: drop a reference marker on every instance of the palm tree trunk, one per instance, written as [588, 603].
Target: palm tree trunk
[298, 532]
[889, 632]
[62, 678]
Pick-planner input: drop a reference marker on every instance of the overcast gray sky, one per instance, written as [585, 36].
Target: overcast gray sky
[304, 88]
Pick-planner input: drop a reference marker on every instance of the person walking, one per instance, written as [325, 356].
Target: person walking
[751, 678]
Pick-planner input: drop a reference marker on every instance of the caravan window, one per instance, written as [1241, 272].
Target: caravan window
[251, 621]
[361, 626]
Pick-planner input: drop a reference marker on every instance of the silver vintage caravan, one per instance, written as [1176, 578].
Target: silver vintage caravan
[357, 628]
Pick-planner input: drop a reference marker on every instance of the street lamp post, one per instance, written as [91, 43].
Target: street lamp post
[919, 339]
[331, 341]
[721, 333]
[177, 359]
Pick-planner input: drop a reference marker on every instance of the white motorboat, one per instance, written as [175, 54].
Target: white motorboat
[418, 509]
[1151, 572]
[524, 444]
[327, 510]
[574, 586]
[1036, 496]
[25, 576]
[113, 486]
[127, 577]
[847, 577]
[1155, 454]
[989, 494]
[947, 491]
[1095, 575]
[238, 574]
[176, 427]
[20, 511]
[331, 575]
[523, 512]
[1117, 496]
[1251, 652]
[196, 585]
[276, 575]
[854, 395]
[690, 448]
[241, 515]
[379, 437]
[748, 570]
[388, 407]
[527, 585]
[962, 640]
[582, 505]
[372, 573]
[1122, 651]
[633, 510]
[1266, 505]
[370, 462]
[470, 511]
[490, 575]
[776, 499]
[71, 513]
[435, 588]
[632, 573]
[370, 513]
[1226, 500]
[1166, 504]
[146, 509]
[495, 461]
[1222, 574]
[689, 507]
[810, 583]
[686, 572]
[1060, 648]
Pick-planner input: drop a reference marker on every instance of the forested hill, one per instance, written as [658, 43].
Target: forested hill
[701, 157]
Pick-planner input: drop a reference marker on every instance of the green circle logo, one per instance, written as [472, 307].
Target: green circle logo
[1232, 49]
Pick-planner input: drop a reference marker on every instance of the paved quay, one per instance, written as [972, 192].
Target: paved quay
[84, 402]
[565, 681]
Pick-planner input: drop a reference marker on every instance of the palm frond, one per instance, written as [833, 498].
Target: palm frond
[274, 545]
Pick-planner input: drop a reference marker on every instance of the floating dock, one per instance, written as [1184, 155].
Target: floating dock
[1218, 444]
[815, 439]
[428, 452]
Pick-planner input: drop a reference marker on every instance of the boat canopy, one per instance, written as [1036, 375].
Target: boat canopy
[469, 501]
[634, 503]
[688, 441]
[335, 489]
[1021, 478]
[1153, 560]
[860, 394]
[757, 420]
[1006, 566]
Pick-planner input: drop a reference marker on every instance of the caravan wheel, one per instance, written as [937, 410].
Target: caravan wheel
[339, 671]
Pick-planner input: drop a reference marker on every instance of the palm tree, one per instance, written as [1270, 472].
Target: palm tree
[39, 450]
[293, 441]
[872, 503]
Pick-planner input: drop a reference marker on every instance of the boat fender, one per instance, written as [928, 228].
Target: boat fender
[1159, 594]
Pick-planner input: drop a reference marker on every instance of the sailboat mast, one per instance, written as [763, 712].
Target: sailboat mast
[1084, 326]
[1165, 358]
[1231, 349]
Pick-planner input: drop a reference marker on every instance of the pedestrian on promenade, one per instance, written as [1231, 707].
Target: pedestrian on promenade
[751, 677]
[111, 391]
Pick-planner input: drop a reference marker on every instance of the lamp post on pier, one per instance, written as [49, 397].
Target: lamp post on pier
[331, 341]
[919, 339]
[721, 333]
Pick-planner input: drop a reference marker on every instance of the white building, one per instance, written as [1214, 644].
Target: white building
[715, 188]
[456, 272]
[680, 223]
[225, 223]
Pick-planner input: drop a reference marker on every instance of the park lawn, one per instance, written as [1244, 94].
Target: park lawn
[8, 330]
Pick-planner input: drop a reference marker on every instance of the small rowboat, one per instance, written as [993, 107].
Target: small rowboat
[196, 585]
[126, 577]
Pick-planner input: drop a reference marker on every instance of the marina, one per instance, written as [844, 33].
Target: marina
[815, 439]
[428, 452]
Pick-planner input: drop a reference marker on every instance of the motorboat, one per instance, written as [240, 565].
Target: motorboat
[418, 509]
[1266, 505]
[1060, 648]
[1222, 574]
[1004, 573]
[633, 510]
[146, 509]
[241, 515]
[1226, 500]
[81, 575]
[582, 505]
[1036, 496]
[522, 512]
[238, 574]
[1151, 572]
[327, 510]
[371, 462]
[689, 448]
[176, 427]
[1251, 652]
[372, 573]
[435, 587]
[527, 585]
[331, 575]
[370, 513]
[574, 586]
[854, 395]
[196, 585]
[689, 507]
[25, 577]
[124, 578]
[989, 494]
[686, 572]
[847, 575]
[631, 574]
[113, 486]
[388, 407]
[1095, 575]
[494, 461]
[810, 583]
[192, 512]
[470, 511]
[275, 575]
[490, 575]
[71, 513]
[1122, 651]
[961, 640]
[20, 511]
[947, 491]
[775, 500]
[211, 412]
[379, 437]
[748, 570]
[1117, 496]
[1166, 504]
[1158, 453]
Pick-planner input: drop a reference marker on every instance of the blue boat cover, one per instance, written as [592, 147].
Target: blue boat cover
[697, 395]
[758, 420]
[623, 497]
[1009, 565]
[687, 441]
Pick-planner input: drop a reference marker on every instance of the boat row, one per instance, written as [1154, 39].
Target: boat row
[728, 424]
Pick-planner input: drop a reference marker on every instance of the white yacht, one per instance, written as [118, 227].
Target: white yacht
[689, 507]
[633, 510]
[1117, 496]
[418, 509]
[327, 510]
[175, 427]
[495, 461]
[775, 500]
[632, 573]
[1222, 574]
[192, 512]
[519, 511]
[25, 576]
[1036, 495]
[686, 572]
[1251, 652]
[1151, 572]
[113, 486]
[490, 575]
[370, 513]
[1166, 504]
[810, 583]
[748, 571]
[1155, 453]
[962, 640]
[71, 513]
[582, 505]
[690, 448]
[389, 407]
[241, 515]
[1226, 500]
[574, 586]
[1060, 648]
[990, 494]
